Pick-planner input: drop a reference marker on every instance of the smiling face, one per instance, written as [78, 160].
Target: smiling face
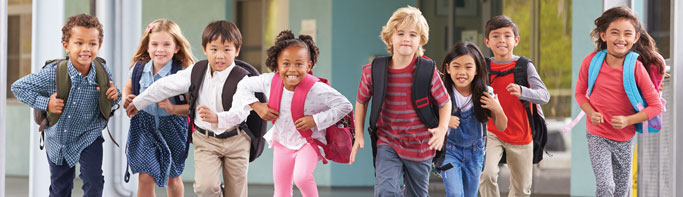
[502, 42]
[161, 48]
[220, 54]
[406, 41]
[293, 64]
[462, 71]
[82, 46]
[620, 37]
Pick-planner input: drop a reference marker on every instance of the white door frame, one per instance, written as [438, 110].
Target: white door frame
[3, 92]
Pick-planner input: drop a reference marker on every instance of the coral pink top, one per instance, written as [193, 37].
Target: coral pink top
[609, 98]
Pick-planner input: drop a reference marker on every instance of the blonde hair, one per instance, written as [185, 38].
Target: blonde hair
[402, 18]
[184, 55]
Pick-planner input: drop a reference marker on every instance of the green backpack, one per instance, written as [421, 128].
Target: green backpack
[46, 119]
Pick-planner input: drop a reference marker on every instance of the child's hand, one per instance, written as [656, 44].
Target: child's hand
[438, 134]
[112, 93]
[619, 122]
[128, 100]
[597, 118]
[454, 122]
[264, 111]
[131, 110]
[55, 105]
[305, 123]
[358, 144]
[490, 103]
[166, 105]
[514, 89]
[207, 115]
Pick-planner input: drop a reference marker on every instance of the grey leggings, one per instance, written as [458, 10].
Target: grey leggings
[611, 161]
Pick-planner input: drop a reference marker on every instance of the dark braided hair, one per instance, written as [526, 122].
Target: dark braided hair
[285, 39]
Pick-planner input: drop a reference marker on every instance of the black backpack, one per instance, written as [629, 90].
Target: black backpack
[426, 107]
[107, 107]
[254, 126]
[539, 129]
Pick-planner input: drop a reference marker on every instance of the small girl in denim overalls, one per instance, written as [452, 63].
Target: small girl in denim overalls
[467, 82]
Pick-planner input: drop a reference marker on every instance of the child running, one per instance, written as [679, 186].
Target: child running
[466, 81]
[157, 136]
[611, 116]
[291, 59]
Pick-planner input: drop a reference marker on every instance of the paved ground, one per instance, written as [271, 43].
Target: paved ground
[547, 182]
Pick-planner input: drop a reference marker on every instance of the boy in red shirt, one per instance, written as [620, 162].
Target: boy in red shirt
[405, 145]
[502, 37]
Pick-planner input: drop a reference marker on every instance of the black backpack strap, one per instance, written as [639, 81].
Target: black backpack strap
[254, 126]
[422, 99]
[196, 79]
[181, 98]
[379, 73]
[380, 68]
[137, 74]
[230, 86]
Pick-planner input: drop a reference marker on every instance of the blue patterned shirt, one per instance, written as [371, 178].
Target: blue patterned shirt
[81, 121]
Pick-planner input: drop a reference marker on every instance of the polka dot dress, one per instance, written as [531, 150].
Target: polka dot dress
[158, 153]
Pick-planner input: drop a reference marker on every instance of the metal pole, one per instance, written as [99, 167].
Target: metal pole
[677, 107]
[46, 37]
[3, 91]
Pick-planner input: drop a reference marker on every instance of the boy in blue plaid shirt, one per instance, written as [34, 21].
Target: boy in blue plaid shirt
[77, 136]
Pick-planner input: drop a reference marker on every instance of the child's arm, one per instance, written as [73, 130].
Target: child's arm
[650, 96]
[180, 110]
[580, 93]
[362, 98]
[338, 105]
[497, 114]
[29, 88]
[178, 83]
[242, 99]
[113, 92]
[359, 121]
[537, 92]
[439, 133]
[440, 94]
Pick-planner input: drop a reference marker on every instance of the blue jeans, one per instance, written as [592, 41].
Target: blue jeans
[389, 168]
[62, 176]
[463, 178]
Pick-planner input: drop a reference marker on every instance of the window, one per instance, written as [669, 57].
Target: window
[18, 41]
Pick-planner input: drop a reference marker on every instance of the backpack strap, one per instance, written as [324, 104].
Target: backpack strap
[379, 72]
[137, 75]
[106, 105]
[230, 86]
[181, 98]
[632, 90]
[63, 88]
[196, 80]
[275, 96]
[422, 99]
[594, 69]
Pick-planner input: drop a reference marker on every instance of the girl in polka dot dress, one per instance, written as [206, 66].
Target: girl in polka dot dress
[158, 133]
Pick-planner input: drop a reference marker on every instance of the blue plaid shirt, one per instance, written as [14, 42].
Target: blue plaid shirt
[81, 121]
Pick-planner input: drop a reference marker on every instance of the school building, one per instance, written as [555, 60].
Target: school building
[554, 34]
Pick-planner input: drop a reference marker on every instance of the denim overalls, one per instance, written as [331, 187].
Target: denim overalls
[465, 149]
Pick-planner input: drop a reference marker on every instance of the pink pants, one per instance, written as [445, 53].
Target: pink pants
[297, 165]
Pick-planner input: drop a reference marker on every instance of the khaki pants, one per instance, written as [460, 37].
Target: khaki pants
[519, 160]
[213, 156]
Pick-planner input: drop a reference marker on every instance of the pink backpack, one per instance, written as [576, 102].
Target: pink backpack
[340, 136]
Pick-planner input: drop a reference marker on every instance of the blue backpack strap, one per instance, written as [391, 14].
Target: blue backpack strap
[137, 74]
[594, 69]
[631, 87]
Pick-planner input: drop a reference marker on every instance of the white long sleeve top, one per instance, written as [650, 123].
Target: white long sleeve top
[209, 94]
[324, 103]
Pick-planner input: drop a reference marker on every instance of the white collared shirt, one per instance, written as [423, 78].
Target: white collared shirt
[210, 93]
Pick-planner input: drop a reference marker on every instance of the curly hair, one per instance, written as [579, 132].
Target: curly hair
[285, 39]
[81, 20]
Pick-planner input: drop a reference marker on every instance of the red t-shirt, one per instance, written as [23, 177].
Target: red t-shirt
[398, 125]
[518, 130]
